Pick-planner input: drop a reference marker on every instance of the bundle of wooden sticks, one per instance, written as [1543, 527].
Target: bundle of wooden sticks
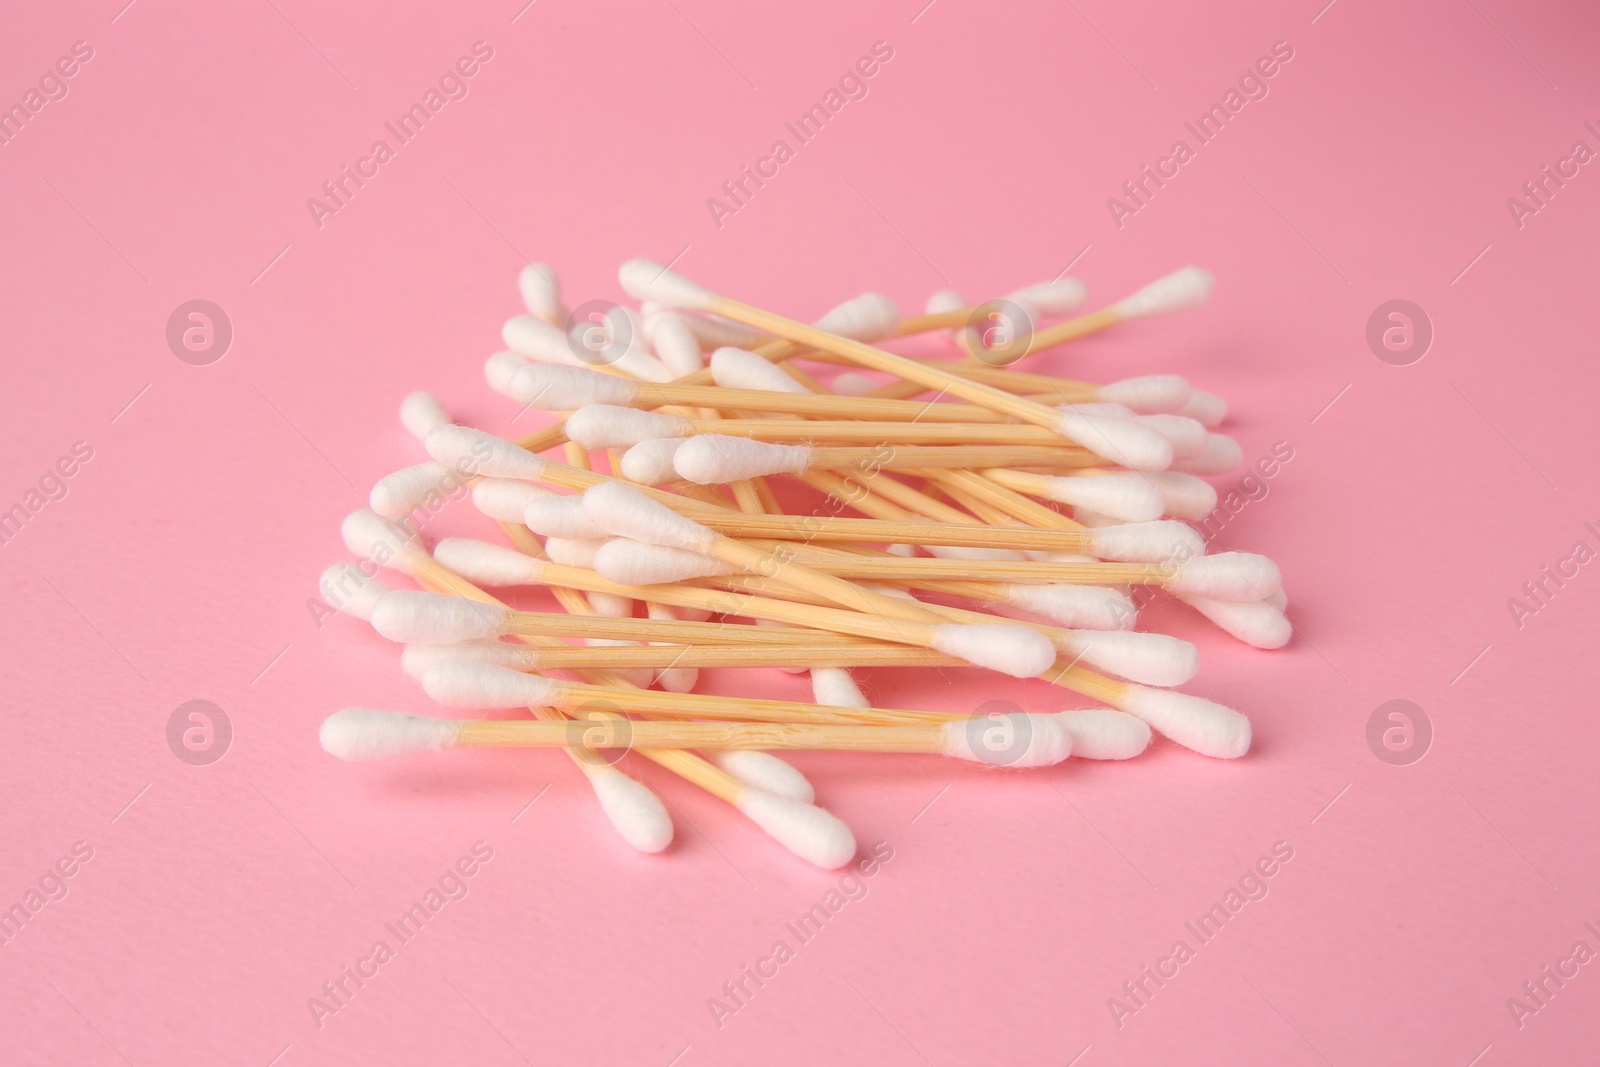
[970, 514]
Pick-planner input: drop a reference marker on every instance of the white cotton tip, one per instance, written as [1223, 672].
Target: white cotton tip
[1126, 497]
[533, 338]
[610, 605]
[640, 364]
[1182, 289]
[370, 536]
[852, 384]
[1117, 439]
[1188, 436]
[421, 413]
[1015, 650]
[834, 686]
[369, 733]
[417, 660]
[673, 679]
[608, 426]
[1258, 623]
[1220, 455]
[410, 488]
[413, 617]
[965, 337]
[1147, 542]
[971, 552]
[1279, 600]
[711, 330]
[573, 551]
[550, 387]
[633, 809]
[504, 500]
[734, 368]
[1020, 739]
[1053, 298]
[472, 451]
[1207, 408]
[500, 369]
[541, 291]
[869, 317]
[1151, 394]
[1194, 722]
[1102, 733]
[1227, 576]
[804, 829]
[675, 343]
[1186, 496]
[907, 551]
[349, 591]
[630, 562]
[625, 512]
[1147, 658]
[716, 459]
[764, 771]
[484, 563]
[561, 516]
[1078, 607]
[650, 462]
[462, 683]
[677, 679]
[644, 280]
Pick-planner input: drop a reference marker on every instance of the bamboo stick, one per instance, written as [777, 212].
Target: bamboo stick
[636, 734]
[893, 433]
[849, 652]
[579, 695]
[872, 358]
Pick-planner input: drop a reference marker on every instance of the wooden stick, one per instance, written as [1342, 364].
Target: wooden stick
[891, 628]
[773, 567]
[847, 652]
[650, 395]
[979, 506]
[900, 501]
[929, 375]
[692, 768]
[679, 631]
[1073, 329]
[754, 560]
[893, 433]
[901, 456]
[1040, 387]
[878, 496]
[874, 531]
[1068, 330]
[831, 528]
[781, 349]
[643, 734]
[1013, 506]
[578, 695]
[1064, 672]
[888, 567]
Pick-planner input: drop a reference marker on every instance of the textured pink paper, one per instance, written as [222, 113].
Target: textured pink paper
[1418, 900]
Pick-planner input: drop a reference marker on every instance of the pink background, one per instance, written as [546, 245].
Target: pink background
[179, 566]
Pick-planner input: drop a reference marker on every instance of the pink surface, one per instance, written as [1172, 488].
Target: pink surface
[1419, 899]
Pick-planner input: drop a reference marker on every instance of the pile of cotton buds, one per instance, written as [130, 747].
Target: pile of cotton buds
[955, 513]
